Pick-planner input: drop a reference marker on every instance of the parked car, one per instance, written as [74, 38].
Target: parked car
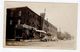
[47, 37]
[54, 38]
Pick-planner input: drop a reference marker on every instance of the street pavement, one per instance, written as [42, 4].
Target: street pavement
[60, 44]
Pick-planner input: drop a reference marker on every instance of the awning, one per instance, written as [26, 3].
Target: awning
[41, 31]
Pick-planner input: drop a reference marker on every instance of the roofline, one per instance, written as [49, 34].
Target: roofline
[33, 12]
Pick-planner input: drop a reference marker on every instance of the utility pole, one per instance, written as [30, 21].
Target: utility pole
[43, 17]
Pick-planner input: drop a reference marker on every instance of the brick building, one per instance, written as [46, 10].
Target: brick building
[49, 28]
[27, 16]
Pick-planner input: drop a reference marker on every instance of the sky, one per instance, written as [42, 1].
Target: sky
[61, 15]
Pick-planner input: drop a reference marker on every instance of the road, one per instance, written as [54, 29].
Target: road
[61, 44]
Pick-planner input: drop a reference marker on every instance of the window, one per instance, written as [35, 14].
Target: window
[11, 13]
[10, 22]
[20, 13]
[19, 21]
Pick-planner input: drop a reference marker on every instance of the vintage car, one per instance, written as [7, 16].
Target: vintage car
[47, 37]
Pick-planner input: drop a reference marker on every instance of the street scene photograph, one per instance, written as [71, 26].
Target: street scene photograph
[40, 25]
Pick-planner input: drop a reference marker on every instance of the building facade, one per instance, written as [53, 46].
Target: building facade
[27, 16]
[49, 28]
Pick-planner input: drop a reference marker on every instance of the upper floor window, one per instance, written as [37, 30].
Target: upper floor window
[20, 13]
[10, 22]
[11, 13]
[19, 21]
